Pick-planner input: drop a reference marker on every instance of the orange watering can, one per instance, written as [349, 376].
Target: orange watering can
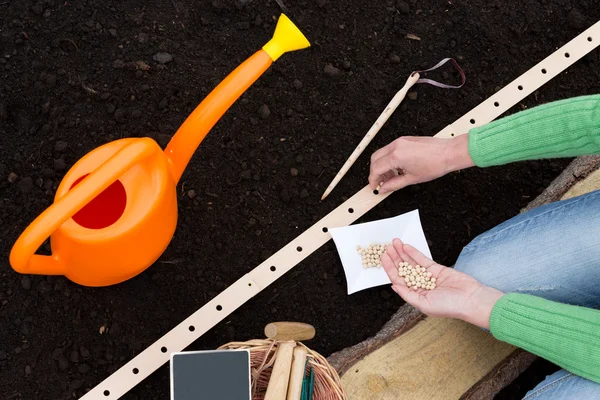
[115, 211]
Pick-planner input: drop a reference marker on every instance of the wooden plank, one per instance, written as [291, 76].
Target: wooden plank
[437, 359]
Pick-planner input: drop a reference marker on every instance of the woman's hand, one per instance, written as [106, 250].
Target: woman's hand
[456, 295]
[417, 160]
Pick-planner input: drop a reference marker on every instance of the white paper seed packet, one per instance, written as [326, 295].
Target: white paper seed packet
[406, 227]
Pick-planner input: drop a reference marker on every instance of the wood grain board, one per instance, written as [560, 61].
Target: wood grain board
[438, 359]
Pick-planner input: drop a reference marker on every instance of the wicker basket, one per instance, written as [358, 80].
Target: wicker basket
[262, 357]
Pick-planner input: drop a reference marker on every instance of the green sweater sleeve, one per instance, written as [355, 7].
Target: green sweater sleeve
[566, 335]
[564, 128]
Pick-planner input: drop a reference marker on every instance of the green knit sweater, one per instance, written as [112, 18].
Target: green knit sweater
[567, 335]
[565, 128]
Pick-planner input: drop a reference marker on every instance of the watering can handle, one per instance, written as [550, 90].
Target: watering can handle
[22, 256]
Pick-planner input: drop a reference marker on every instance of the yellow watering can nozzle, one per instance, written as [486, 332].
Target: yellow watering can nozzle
[287, 37]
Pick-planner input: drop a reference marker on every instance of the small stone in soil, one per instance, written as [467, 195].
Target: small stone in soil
[264, 111]
[76, 384]
[27, 370]
[294, 172]
[60, 146]
[403, 7]
[12, 177]
[162, 58]
[297, 84]
[120, 114]
[117, 64]
[63, 363]
[26, 283]
[26, 184]
[331, 71]
[191, 194]
[59, 164]
[395, 59]
[44, 287]
[85, 353]
[113, 32]
[163, 103]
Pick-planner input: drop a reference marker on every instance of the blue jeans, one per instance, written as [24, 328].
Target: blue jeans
[552, 252]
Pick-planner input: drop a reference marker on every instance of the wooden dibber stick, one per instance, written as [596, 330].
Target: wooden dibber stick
[297, 373]
[280, 377]
[389, 110]
[385, 115]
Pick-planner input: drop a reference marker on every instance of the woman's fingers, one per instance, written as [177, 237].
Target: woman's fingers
[399, 246]
[419, 257]
[390, 265]
[422, 260]
[396, 183]
[390, 261]
[379, 168]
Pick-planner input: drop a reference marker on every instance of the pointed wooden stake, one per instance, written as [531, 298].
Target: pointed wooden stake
[385, 115]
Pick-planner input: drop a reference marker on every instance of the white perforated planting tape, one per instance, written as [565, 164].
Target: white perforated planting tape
[288, 257]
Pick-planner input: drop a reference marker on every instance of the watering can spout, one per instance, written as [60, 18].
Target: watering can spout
[179, 151]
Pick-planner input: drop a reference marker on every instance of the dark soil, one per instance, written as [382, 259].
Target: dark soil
[68, 83]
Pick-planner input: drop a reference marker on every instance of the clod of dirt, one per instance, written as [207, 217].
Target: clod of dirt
[44, 287]
[297, 85]
[264, 111]
[163, 103]
[74, 356]
[60, 146]
[118, 64]
[25, 184]
[162, 58]
[412, 95]
[63, 363]
[577, 20]
[26, 283]
[145, 87]
[59, 164]
[143, 38]
[346, 65]
[191, 194]
[294, 172]
[110, 108]
[113, 32]
[85, 353]
[12, 177]
[120, 115]
[51, 80]
[403, 7]
[394, 58]
[83, 368]
[331, 71]
[304, 193]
